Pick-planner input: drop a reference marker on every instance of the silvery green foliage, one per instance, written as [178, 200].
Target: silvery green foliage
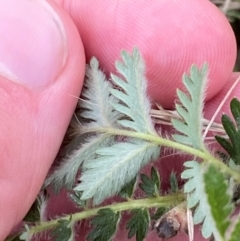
[42, 207]
[65, 175]
[97, 103]
[204, 182]
[191, 109]
[115, 166]
[107, 162]
[26, 235]
[133, 99]
[95, 106]
[208, 192]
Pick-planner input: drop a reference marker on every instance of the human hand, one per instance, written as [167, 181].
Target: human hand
[171, 37]
[42, 68]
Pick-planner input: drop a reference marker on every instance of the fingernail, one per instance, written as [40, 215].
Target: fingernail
[33, 46]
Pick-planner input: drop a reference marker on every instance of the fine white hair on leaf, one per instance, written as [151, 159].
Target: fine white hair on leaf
[66, 173]
[133, 100]
[191, 108]
[42, 207]
[98, 108]
[114, 167]
[106, 107]
[204, 182]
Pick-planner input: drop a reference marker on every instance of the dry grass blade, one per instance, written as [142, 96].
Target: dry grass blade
[236, 82]
[164, 117]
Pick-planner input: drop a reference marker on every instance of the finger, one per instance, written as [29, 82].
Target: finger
[41, 68]
[171, 35]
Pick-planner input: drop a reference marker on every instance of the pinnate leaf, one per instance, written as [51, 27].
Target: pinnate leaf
[128, 190]
[191, 109]
[96, 102]
[232, 129]
[66, 173]
[138, 224]
[96, 111]
[104, 225]
[63, 231]
[216, 186]
[114, 167]
[150, 185]
[133, 101]
[158, 213]
[173, 182]
[76, 198]
[204, 185]
[235, 109]
[102, 106]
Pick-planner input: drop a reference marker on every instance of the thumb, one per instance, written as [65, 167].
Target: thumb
[171, 35]
[42, 66]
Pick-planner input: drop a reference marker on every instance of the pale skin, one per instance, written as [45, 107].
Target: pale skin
[42, 69]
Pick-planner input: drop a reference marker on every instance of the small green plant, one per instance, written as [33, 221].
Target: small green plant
[116, 137]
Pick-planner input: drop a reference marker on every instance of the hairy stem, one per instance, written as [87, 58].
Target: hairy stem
[164, 201]
[206, 156]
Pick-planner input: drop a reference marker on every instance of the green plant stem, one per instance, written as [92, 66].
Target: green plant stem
[206, 156]
[164, 201]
